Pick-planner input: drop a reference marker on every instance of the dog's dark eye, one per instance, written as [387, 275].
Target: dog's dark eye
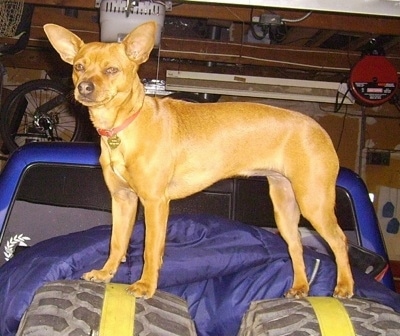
[111, 70]
[79, 67]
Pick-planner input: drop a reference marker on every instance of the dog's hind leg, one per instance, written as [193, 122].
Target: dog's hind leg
[319, 209]
[287, 216]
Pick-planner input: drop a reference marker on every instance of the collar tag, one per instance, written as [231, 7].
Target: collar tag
[113, 141]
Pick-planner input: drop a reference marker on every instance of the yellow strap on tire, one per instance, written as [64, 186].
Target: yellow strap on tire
[118, 313]
[332, 316]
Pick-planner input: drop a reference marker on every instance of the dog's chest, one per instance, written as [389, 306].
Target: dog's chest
[119, 171]
[115, 159]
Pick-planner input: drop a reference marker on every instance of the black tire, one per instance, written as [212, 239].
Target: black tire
[73, 307]
[296, 317]
[38, 108]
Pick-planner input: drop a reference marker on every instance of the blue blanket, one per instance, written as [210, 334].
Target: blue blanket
[218, 266]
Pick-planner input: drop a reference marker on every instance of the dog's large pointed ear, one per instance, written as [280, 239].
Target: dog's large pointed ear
[66, 43]
[140, 42]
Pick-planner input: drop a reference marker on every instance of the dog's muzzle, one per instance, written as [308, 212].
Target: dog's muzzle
[86, 88]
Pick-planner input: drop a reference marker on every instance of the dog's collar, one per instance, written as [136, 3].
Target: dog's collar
[113, 131]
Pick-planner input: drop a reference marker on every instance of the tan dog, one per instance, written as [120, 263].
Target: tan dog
[157, 150]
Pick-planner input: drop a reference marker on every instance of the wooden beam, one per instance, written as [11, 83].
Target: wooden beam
[310, 59]
[261, 55]
[85, 19]
[347, 23]
[319, 38]
[299, 36]
[64, 3]
[85, 24]
[39, 59]
[50, 61]
[334, 21]
[390, 47]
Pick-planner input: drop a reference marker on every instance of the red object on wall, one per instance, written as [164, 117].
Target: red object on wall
[373, 80]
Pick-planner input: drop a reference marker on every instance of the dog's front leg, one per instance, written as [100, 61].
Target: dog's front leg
[124, 207]
[156, 217]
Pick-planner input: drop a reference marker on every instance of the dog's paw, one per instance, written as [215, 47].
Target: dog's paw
[98, 276]
[297, 292]
[142, 289]
[343, 292]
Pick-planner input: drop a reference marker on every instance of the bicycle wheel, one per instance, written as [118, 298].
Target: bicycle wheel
[41, 110]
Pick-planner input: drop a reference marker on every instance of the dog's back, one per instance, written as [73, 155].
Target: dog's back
[219, 140]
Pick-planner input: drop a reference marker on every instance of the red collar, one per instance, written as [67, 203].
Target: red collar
[112, 131]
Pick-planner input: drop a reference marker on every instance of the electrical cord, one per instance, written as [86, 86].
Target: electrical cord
[275, 32]
[264, 29]
[338, 106]
[297, 20]
[342, 131]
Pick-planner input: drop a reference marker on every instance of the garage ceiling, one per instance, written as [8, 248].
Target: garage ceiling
[211, 37]
[371, 7]
[306, 44]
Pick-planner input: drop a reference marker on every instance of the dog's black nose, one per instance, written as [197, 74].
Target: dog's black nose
[85, 88]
